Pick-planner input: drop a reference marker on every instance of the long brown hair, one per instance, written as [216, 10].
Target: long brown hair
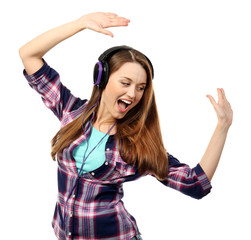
[138, 133]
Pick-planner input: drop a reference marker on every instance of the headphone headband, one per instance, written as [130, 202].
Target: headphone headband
[109, 52]
[101, 68]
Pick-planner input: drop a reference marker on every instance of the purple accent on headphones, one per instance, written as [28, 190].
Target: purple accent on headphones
[99, 73]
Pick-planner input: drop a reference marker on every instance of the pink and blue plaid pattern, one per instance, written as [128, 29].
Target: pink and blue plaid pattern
[95, 209]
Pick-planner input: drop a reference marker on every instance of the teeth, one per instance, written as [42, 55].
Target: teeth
[125, 101]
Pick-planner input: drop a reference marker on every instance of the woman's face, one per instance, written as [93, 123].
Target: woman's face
[123, 91]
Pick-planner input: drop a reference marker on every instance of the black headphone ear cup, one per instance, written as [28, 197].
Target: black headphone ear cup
[101, 74]
[105, 75]
[96, 71]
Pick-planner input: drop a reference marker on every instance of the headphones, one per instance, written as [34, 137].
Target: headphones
[101, 68]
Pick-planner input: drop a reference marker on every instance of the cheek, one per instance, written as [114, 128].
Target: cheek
[110, 95]
[138, 98]
[112, 89]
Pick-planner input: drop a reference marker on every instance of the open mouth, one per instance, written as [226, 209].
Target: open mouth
[124, 105]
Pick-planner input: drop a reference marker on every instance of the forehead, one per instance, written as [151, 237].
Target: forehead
[133, 71]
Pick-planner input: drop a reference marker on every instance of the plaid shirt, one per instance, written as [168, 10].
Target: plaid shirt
[94, 209]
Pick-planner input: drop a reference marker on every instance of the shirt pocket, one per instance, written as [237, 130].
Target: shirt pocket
[112, 172]
[125, 170]
[101, 173]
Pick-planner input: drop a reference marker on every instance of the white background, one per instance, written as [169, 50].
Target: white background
[195, 47]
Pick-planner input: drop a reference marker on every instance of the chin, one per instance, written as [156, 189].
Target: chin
[119, 116]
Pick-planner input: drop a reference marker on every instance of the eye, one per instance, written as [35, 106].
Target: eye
[125, 83]
[141, 88]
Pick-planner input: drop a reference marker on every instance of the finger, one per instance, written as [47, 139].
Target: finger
[212, 100]
[119, 21]
[106, 32]
[225, 98]
[224, 94]
[112, 15]
[221, 97]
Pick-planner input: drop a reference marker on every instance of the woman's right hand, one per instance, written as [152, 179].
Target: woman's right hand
[99, 21]
[32, 52]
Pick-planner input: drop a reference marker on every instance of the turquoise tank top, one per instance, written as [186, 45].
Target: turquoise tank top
[97, 157]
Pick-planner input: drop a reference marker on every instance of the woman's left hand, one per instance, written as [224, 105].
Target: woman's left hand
[223, 109]
[211, 157]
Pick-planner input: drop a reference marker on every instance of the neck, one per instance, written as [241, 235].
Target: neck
[104, 125]
[104, 121]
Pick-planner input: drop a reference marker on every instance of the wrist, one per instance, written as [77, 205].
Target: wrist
[81, 23]
[223, 126]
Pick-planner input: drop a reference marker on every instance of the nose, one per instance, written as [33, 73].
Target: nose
[131, 92]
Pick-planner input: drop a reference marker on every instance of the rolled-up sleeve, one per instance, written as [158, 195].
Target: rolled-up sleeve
[46, 81]
[190, 181]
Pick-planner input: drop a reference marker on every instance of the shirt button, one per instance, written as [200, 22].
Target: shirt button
[73, 195]
[71, 214]
[108, 149]
[92, 173]
[69, 233]
[106, 163]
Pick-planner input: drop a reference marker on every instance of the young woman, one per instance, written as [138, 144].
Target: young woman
[112, 138]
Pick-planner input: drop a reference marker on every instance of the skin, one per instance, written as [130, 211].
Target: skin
[32, 53]
[211, 157]
[127, 83]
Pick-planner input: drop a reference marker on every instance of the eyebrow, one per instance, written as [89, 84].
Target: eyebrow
[127, 78]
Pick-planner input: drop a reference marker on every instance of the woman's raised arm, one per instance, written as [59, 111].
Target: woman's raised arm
[211, 157]
[32, 52]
